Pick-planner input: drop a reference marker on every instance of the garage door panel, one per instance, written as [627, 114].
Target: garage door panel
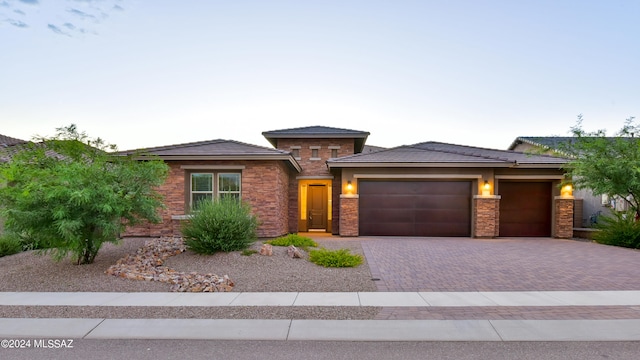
[415, 208]
[438, 216]
[394, 202]
[441, 202]
[525, 208]
[398, 215]
[442, 229]
[392, 229]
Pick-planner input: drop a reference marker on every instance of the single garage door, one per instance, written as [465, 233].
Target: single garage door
[525, 208]
[415, 208]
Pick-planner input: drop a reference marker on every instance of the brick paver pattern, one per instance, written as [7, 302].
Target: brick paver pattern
[519, 264]
[527, 264]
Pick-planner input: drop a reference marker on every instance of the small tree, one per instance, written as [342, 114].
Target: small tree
[69, 193]
[607, 165]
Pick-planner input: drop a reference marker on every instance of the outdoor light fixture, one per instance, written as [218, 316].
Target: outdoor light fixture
[567, 191]
[486, 188]
[349, 186]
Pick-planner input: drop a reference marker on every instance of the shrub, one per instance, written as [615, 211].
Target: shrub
[9, 244]
[621, 229]
[296, 240]
[225, 224]
[335, 258]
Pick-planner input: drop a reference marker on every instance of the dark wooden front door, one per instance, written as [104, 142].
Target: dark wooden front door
[525, 209]
[317, 207]
[415, 208]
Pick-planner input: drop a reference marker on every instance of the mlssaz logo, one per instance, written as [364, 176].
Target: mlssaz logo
[53, 344]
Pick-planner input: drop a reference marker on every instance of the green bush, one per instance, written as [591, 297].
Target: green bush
[296, 240]
[9, 244]
[621, 229]
[225, 224]
[335, 258]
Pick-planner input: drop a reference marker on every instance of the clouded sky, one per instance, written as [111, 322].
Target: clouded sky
[475, 72]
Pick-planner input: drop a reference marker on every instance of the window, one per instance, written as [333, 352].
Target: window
[315, 152]
[207, 186]
[295, 152]
[334, 150]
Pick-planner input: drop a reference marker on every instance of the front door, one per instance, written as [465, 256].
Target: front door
[317, 207]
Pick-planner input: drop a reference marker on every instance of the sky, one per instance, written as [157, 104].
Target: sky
[472, 72]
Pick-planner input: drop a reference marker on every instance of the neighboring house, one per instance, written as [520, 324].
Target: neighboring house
[588, 207]
[7, 146]
[326, 179]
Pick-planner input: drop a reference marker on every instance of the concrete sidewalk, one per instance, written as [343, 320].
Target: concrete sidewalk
[378, 299]
[345, 330]
[321, 330]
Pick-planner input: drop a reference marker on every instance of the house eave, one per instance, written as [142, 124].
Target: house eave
[419, 165]
[288, 158]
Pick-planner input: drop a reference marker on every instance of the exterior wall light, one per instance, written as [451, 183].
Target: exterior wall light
[567, 191]
[486, 188]
[349, 186]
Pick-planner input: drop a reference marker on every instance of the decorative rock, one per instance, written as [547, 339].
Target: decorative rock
[294, 252]
[147, 265]
[266, 250]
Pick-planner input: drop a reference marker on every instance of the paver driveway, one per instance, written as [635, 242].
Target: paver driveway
[519, 264]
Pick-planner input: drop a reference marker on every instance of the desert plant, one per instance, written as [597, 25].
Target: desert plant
[9, 244]
[621, 229]
[71, 195]
[225, 224]
[296, 240]
[335, 258]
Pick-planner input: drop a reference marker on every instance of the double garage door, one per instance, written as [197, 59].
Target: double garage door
[415, 208]
[443, 208]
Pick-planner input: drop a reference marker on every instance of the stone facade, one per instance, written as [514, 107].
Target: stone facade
[265, 186]
[349, 217]
[563, 219]
[486, 216]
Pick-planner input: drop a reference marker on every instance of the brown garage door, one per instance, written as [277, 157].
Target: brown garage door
[415, 208]
[525, 208]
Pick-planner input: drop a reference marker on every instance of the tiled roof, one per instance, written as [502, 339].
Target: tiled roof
[370, 148]
[215, 150]
[314, 132]
[433, 154]
[7, 147]
[9, 141]
[550, 142]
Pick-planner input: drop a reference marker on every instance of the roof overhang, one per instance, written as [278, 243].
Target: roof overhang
[284, 157]
[360, 139]
[504, 165]
[419, 165]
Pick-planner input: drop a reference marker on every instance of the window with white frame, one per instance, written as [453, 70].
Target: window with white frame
[210, 185]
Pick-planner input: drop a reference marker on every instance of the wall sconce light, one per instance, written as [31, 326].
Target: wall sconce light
[567, 191]
[349, 186]
[486, 188]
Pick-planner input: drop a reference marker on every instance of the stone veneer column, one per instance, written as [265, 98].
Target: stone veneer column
[486, 220]
[349, 215]
[563, 217]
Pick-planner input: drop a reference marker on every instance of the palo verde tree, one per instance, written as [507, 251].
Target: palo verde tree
[70, 194]
[607, 165]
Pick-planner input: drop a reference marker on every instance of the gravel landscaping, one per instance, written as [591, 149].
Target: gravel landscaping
[29, 271]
